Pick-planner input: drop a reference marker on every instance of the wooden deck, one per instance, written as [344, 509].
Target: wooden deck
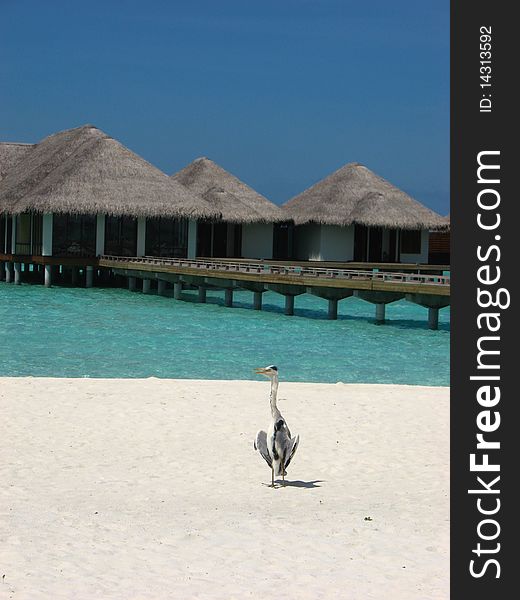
[271, 273]
[377, 283]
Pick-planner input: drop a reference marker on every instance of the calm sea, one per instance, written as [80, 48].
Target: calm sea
[72, 332]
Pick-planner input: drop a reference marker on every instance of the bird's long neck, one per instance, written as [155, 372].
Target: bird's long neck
[272, 398]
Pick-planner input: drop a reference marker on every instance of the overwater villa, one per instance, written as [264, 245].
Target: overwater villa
[246, 225]
[81, 194]
[355, 215]
[80, 201]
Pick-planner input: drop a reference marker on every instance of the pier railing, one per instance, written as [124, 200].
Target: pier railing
[256, 268]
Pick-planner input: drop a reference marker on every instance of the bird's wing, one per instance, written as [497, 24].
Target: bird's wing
[261, 446]
[291, 449]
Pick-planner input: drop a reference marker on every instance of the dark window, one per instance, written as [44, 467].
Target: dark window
[37, 234]
[204, 239]
[237, 241]
[121, 236]
[392, 245]
[9, 234]
[375, 244]
[360, 243]
[281, 241]
[220, 240]
[167, 237]
[3, 220]
[411, 241]
[23, 234]
[74, 235]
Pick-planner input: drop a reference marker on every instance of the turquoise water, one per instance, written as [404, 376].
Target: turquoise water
[72, 332]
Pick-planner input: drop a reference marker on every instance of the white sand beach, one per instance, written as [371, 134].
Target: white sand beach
[151, 489]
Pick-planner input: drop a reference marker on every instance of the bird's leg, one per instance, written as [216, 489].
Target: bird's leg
[272, 476]
[283, 475]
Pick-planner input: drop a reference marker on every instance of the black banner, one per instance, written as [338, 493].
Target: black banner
[484, 398]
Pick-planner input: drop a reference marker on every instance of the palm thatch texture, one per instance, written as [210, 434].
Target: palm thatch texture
[84, 171]
[356, 195]
[11, 153]
[236, 201]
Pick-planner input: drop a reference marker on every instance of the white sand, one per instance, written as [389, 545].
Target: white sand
[151, 489]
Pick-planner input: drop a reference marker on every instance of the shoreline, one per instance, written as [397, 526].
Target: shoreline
[150, 488]
[198, 379]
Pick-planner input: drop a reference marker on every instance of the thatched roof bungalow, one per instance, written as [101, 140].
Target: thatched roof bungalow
[246, 224]
[90, 189]
[353, 214]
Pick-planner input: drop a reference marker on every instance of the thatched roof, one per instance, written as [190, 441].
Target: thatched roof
[236, 201]
[84, 171]
[11, 153]
[354, 194]
[447, 222]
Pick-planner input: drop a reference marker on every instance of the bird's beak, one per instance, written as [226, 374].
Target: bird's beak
[260, 371]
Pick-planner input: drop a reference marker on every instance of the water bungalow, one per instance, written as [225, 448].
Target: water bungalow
[79, 194]
[81, 202]
[355, 215]
[246, 226]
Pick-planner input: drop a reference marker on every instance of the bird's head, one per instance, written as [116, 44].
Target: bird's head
[270, 371]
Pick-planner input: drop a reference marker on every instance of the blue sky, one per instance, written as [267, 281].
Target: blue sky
[281, 93]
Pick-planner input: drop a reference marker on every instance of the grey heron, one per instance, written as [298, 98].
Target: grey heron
[276, 447]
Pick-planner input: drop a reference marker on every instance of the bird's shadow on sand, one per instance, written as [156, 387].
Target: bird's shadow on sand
[297, 484]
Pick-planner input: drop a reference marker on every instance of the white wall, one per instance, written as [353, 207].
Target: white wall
[47, 235]
[324, 242]
[423, 256]
[141, 236]
[257, 240]
[337, 243]
[192, 238]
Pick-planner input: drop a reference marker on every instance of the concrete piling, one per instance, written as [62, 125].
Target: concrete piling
[47, 276]
[380, 312]
[161, 287]
[89, 277]
[433, 304]
[257, 300]
[433, 318]
[333, 309]
[333, 296]
[289, 305]
[17, 273]
[228, 297]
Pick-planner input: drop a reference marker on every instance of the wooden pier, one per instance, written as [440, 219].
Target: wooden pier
[379, 285]
[332, 284]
